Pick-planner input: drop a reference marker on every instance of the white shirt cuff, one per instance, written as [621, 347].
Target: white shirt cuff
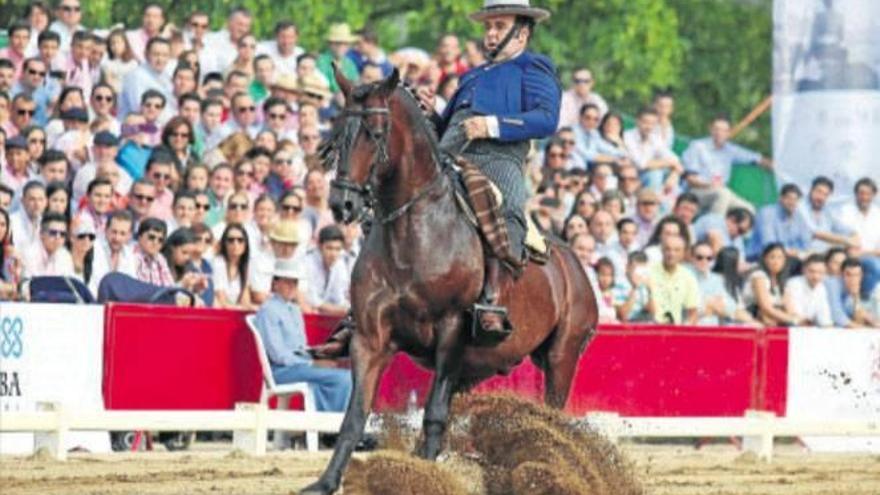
[493, 126]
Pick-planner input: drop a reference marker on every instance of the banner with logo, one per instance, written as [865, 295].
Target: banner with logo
[51, 353]
[835, 374]
[826, 91]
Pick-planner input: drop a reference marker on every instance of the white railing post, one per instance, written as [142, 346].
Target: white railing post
[761, 443]
[607, 424]
[251, 440]
[53, 440]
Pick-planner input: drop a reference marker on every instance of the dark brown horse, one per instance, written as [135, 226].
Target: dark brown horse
[421, 268]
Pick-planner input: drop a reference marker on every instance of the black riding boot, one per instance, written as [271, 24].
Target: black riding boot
[492, 318]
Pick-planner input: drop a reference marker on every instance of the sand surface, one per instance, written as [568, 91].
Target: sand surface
[211, 468]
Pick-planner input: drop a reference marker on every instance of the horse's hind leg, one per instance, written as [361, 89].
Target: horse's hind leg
[367, 364]
[560, 361]
[448, 361]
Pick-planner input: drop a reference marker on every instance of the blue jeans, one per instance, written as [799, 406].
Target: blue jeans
[330, 386]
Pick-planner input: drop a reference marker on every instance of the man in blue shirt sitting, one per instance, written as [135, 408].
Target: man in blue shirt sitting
[282, 329]
[783, 223]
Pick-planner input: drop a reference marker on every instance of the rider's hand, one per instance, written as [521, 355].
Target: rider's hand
[476, 128]
[427, 97]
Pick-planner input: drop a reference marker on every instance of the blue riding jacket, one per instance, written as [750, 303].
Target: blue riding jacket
[523, 93]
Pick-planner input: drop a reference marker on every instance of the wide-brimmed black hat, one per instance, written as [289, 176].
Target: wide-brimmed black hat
[509, 7]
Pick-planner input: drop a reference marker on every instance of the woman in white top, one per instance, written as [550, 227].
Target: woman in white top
[231, 265]
[120, 60]
[763, 291]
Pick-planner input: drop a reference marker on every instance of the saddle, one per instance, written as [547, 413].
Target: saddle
[480, 201]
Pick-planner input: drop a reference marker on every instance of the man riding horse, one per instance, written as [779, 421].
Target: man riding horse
[498, 108]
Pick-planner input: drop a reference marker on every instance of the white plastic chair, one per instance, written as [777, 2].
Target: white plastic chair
[283, 392]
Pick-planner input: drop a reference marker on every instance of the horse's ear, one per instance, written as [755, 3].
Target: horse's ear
[391, 82]
[343, 82]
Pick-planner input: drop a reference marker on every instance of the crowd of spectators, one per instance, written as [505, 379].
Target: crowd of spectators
[186, 157]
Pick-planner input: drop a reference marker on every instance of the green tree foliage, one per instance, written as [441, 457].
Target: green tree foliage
[713, 54]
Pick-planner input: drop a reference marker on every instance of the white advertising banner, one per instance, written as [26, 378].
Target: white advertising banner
[826, 91]
[835, 374]
[51, 353]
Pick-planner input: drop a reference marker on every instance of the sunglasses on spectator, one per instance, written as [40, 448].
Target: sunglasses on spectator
[90, 237]
[105, 98]
[155, 237]
[247, 109]
[56, 233]
[203, 206]
[37, 73]
[284, 161]
[70, 8]
[160, 176]
[26, 111]
[238, 206]
[143, 197]
[235, 240]
[277, 116]
[293, 208]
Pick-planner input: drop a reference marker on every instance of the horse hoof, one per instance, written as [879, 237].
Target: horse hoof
[318, 488]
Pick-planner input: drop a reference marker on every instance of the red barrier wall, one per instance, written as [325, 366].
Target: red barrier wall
[180, 358]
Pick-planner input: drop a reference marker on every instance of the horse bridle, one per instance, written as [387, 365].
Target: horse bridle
[364, 195]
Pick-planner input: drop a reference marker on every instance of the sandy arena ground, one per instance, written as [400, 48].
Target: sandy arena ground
[211, 468]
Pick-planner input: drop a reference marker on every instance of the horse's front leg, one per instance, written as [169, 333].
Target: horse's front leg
[448, 363]
[368, 360]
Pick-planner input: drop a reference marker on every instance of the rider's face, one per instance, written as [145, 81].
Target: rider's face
[496, 28]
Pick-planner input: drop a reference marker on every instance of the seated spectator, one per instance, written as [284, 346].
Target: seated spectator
[48, 256]
[183, 211]
[82, 252]
[54, 167]
[605, 296]
[150, 265]
[104, 151]
[862, 216]
[159, 170]
[232, 269]
[674, 292]
[602, 229]
[317, 206]
[627, 235]
[783, 223]
[97, 207]
[708, 163]
[584, 247]
[288, 170]
[850, 308]
[219, 190]
[135, 150]
[25, 222]
[659, 167]
[727, 231]
[258, 229]
[805, 295]
[114, 253]
[574, 224]
[727, 265]
[196, 177]
[140, 200]
[647, 215]
[178, 253]
[669, 226]
[238, 211]
[716, 305]
[612, 202]
[633, 298]
[15, 173]
[10, 265]
[827, 229]
[325, 275]
[281, 326]
[763, 293]
[284, 238]
[202, 254]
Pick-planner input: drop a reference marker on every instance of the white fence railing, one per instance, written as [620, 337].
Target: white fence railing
[250, 424]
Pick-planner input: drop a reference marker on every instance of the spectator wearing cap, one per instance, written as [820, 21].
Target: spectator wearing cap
[326, 277]
[25, 221]
[283, 50]
[647, 214]
[104, 149]
[580, 93]
[708, 163]
[339, 39]
[862, 216]
[150, 265]
[48, 256]
[783, 223]
[16, 172]
[281, 326]
[284, 238]
[152, 74]
[114, 251]
[74, 142]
